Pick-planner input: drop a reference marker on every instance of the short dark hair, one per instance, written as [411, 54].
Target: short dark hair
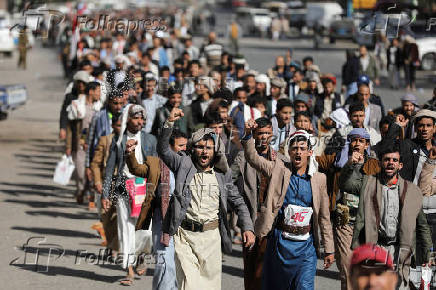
[356, 107]
[237, 90]
[362, 85]
[299, 139]
[223, 93]
[257, 99]
[179, 61]
[97, 71]
[91, 86]
[164, 68]
[389, 146]
[326, 81]
[213, 118]
[84, 62]
[308, 58]
[281, 103]
[388, 119]
[263, 122]
[299, 71]
[302, 113]
[175, 89]
[176, 135]
[248, 75]
[192, 62]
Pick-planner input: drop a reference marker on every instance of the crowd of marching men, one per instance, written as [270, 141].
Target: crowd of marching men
[188, 151]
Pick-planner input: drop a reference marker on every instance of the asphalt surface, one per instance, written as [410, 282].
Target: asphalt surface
[37, 215]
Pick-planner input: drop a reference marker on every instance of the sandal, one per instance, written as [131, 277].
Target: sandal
[141, 270]
[128, 281]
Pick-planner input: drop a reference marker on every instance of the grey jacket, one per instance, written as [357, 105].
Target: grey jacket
[375, 116]
[245, 178]
[117, 158]
[184, 169]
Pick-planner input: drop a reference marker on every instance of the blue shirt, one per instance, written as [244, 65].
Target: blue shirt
[299, 193]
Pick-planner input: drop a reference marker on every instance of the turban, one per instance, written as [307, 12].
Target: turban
[219, 149]
[313, 165]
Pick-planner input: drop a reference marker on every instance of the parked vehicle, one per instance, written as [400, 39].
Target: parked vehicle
[11, 97]
[322, 14]
[7, 45]
[341, 28]
[427, 52]
[254, 21]
[296, 14]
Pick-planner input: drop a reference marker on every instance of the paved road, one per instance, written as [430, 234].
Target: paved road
[31, 205]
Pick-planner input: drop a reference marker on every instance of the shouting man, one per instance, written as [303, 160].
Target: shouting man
[198, 208]
[297, 199]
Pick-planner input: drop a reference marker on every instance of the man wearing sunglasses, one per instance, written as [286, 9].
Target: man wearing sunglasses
[390, 213]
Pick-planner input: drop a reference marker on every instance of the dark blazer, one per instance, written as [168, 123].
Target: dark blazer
[184, 170]
[117, 158]
[161, 116]
[410, 152]
[319, 104]
[350, 71]
[398, 62]
[63, 118]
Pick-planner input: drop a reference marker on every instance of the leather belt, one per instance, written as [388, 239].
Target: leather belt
[295, 230]
[195, 226]
[386, 241]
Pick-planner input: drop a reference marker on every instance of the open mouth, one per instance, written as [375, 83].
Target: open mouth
[297, 159]
[204, 159]
[390, 169]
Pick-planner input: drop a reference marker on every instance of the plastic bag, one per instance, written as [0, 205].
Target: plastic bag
[425, 278]
[77, 109]
[64, 170]
[143, 241]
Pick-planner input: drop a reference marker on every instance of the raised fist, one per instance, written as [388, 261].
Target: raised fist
[356, 157]
[130, 145]
[175, 115]
[250, 125]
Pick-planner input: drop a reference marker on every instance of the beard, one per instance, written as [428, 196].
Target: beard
[199, 163]
[388, 176]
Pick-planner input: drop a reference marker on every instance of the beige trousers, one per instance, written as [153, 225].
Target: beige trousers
[198, 259]
[343, 238]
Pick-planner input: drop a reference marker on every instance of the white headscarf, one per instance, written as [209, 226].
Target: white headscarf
[125, 115]
[313, 165]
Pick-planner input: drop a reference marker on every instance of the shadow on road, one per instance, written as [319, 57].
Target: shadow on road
[328, 274]
[55, 232]
[42, 204]
[79, 216]
[64, 271]
[234, 271]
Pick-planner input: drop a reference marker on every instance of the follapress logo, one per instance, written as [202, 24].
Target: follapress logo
[34, 16]
[387, 18]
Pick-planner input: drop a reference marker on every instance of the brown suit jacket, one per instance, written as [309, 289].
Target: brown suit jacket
[280, 174]
[426, 182]
[368, 218]
[101, 154]
[150, 170]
